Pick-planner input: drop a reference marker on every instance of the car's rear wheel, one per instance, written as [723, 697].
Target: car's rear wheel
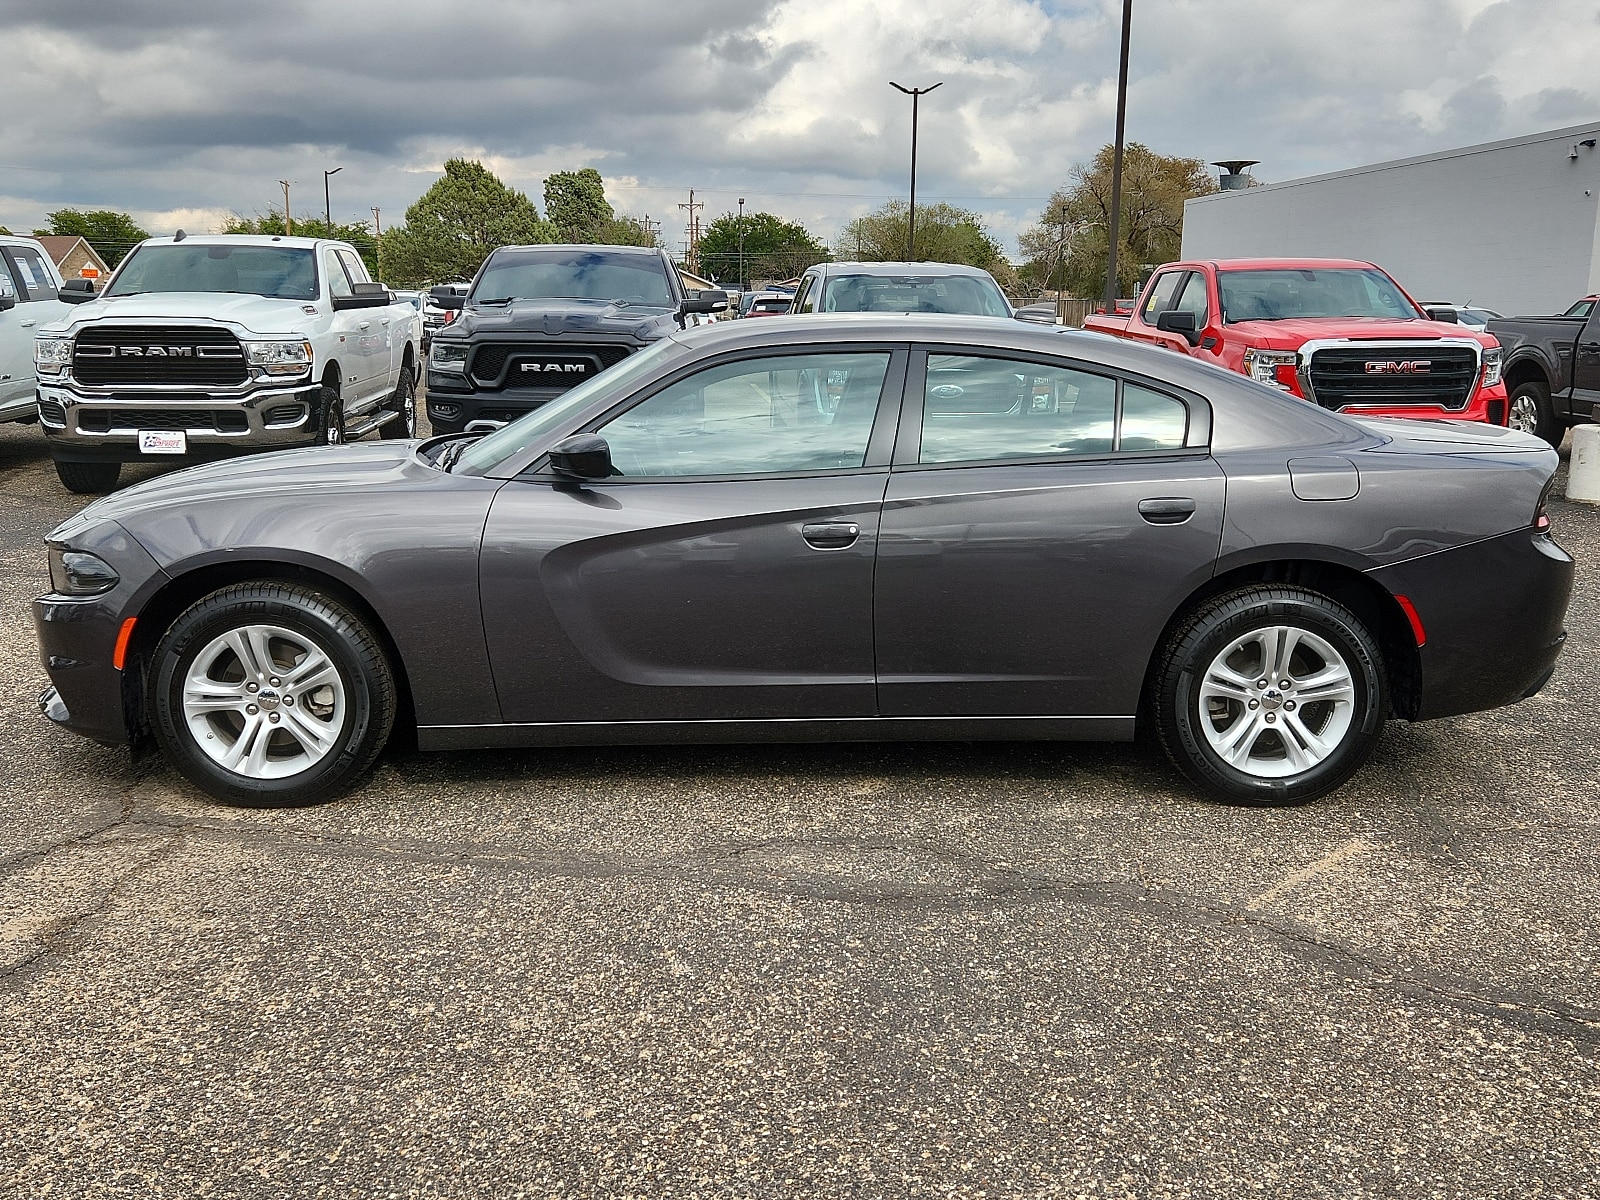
[1270, 695]
[85, 477]
[404, 402]
[1532, 412]
[271, 694]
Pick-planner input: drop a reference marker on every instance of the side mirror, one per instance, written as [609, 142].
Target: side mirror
[76, 291]
[1448, 315]
[363, 295]
[581, 456]
[445, 297]
[709, 300]
[1179, 322]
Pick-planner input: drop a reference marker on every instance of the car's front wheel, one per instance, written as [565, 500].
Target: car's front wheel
[271, 694]
[1532, 412]
[88, 477]
[1270, 695]
[403, 403]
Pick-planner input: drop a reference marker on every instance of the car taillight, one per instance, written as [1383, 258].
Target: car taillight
[1541, 519]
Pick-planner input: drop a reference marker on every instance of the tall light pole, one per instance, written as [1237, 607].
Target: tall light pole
[911, 212]
[327, 208]
[1114, 226]
[741, 243]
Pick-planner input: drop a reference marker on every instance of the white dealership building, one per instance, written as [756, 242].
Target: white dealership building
[1512, 226]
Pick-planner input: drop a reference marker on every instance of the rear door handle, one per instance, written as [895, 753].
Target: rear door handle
[831, 535]
[1167, 510]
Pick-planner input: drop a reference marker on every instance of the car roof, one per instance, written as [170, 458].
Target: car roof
[1276, 264]
[244, 239]
[590, 246]
[924, 269]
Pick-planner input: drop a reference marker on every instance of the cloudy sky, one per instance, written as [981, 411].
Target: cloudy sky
[181, 111]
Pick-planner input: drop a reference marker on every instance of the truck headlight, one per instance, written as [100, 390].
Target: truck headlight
[448, 356]
[279, 358]
[51, 355]
[1491, 366]
[79, 573]
[1262, 366]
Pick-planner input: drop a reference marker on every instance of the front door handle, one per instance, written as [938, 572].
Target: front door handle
[1167, 510]
[831, 535]
[28, 324]
[366, 325]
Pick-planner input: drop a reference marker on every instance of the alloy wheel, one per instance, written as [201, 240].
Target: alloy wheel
[264, 702]
[1277, 701]
[1524, 414]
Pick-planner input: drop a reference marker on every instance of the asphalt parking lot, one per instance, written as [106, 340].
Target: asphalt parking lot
[992, 970]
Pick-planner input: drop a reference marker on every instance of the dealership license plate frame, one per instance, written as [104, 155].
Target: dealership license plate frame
[163, 441]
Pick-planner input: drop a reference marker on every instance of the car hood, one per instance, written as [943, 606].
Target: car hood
[564, 316]
[1401, 436]
[1293, 333]
[257, 314]
[318, 470]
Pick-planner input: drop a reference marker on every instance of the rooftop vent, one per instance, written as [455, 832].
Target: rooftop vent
[1234, 178]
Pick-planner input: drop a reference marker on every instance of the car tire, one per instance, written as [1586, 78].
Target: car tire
[271, 695]
[404, 402]
[1530, 410]
[1245, 743]
[86, 477]
[330, 409]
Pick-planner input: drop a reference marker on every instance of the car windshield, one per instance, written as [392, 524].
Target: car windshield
[502, 444]
[279, 272]
[576, 275]
[1280, 295]
[914, 293]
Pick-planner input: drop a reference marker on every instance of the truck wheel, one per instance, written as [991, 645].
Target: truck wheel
[88, 477]
[404, 402]
[332, 409]
[1270, 695]
[271, 694]
[1531, 412]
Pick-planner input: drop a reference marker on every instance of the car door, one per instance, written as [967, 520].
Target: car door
[32, 287]
[353, 333]
[378, 333]
[1586, 367]
[1041, 524]
[725, 572]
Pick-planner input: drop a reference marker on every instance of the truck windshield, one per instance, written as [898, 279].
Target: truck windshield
[574, 275]
[1280, 295]
[914, 293]
[280, 272]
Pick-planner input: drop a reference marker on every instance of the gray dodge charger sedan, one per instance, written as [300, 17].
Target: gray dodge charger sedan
[825, 528]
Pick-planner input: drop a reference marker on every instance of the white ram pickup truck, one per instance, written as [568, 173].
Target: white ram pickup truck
[206, 346]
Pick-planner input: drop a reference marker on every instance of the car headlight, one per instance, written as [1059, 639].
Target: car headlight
[279, 358]
[1264, 366]
[51, 355]
[79, 573]
[448, 356]
[1491, 366]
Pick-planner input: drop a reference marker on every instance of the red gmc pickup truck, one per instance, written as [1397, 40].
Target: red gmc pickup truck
[1337, 332]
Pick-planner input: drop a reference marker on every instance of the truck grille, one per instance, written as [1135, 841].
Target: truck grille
[1423, 373]
[160, 354]
[167, 419]
[502, 364]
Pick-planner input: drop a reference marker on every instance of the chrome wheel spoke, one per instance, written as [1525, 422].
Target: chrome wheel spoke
[249, 749]
[315, 669]
[1300, 744]
[1223, 682]
[316, 737]
[1240, 738]
[1331, 683]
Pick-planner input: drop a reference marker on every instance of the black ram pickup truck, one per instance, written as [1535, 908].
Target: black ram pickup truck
[541, 319]
[1552, 371]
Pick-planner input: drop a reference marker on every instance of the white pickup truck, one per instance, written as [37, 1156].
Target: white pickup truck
[28, 287]
[206, 346]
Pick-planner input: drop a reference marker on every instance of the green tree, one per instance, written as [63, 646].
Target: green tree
[944, 234]
[453, 226]
[626, 231]
[773, 248]
[1068, 247]
[575, 203]
[358, 234]
[112, 234]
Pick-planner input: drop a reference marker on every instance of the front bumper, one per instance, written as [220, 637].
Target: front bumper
[104, 427]
[1487, 405]
[1494, 614]
[452, 407]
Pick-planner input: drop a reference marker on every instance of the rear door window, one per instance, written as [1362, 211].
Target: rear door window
[30, 272]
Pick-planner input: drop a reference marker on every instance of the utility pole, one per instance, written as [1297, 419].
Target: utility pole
[911, 214]
[692, 250]
[288, 221]
[377, 227]
[1114, 225]
[651, 228]
[327, 207]
[741, 243]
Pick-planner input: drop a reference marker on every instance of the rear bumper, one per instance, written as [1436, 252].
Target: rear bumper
[1494, 614]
